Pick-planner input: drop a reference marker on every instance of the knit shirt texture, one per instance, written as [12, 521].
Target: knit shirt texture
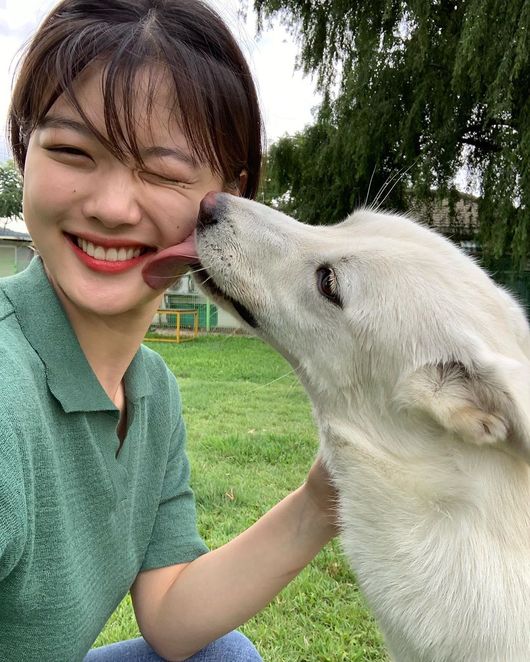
[80, 517]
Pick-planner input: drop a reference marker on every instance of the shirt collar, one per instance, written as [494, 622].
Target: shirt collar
[47, 329]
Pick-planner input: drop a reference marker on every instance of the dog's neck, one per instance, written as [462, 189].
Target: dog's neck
[424, 479]
[435, 536]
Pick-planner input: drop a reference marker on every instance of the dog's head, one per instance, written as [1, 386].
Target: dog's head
[376, 311]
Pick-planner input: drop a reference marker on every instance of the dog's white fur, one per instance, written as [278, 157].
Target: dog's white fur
[420, 385]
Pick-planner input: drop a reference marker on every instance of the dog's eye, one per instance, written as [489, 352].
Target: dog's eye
[327, 284]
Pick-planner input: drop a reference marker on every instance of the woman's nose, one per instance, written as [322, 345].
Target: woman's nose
[113, 199]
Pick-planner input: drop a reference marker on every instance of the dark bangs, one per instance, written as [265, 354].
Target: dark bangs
[215, 101]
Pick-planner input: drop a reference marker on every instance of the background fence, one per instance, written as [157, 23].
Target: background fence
[184, 295]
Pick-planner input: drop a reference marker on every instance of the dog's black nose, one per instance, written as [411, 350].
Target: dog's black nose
[208, 209]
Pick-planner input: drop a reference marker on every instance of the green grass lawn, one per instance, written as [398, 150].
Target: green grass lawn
[251, 440]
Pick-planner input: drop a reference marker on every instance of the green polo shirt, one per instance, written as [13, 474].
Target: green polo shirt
[78, 517]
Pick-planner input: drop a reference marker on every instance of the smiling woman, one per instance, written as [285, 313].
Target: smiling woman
[125, 114]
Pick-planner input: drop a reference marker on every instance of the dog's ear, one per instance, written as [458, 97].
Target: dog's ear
[476, 400]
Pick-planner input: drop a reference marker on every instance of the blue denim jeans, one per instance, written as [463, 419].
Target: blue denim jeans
[233, 647]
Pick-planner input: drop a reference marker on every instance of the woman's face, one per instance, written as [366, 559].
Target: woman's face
[96, 220]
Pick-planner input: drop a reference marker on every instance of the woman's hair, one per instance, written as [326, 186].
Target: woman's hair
[216, 103]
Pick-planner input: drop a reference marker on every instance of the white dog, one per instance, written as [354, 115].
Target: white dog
[418, 368]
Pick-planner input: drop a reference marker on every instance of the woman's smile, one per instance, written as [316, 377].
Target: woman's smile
[110, 256]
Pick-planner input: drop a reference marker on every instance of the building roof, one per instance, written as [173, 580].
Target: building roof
[5, 233]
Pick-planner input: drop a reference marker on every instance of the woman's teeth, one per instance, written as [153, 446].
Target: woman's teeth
[107, 254]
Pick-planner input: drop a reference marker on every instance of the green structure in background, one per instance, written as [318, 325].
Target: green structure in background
[208, 314]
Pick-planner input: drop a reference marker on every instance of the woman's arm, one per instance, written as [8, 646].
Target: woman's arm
[182, 608]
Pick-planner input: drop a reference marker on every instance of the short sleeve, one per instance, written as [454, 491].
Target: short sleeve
[175, 538]
[13, 529]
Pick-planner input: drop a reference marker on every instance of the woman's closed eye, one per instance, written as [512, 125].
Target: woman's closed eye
[164, 180]
[67, 150]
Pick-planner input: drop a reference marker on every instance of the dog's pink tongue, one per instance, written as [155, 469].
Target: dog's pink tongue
[167, 265]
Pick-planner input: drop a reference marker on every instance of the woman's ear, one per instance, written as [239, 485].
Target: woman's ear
[239, 185]
[242, 183]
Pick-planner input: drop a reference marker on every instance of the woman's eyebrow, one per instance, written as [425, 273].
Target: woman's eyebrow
[173, 152]
[57, 122]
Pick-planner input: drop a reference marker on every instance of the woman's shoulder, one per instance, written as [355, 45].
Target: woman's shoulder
[155, 364]
[17, 382]
[163, 385]
[11, 348]
[6, 307]
[19, 366]
[15, 357]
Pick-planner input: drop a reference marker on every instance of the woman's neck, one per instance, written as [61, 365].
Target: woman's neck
[110, 342]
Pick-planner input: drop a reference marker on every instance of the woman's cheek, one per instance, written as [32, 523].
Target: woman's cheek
[179, 216]
[47, 192]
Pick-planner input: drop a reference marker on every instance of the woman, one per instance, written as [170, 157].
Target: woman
[124, 115]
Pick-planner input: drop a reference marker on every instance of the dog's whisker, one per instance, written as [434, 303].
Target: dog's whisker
[370, 186]
[257, 388]
[206, 280]
[196, 271]
[396, 179]
[230, 335]
[187, 273]
[403, 174]
[375, 205]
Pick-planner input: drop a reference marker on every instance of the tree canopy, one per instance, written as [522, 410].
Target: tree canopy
[416, 94]
[10, 191]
